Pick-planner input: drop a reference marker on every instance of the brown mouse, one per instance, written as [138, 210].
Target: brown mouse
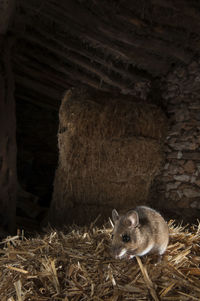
[139, 232]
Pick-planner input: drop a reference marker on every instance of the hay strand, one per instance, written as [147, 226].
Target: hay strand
[147, 279]
[76, 265]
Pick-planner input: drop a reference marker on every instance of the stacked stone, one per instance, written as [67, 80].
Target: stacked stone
[180, 180]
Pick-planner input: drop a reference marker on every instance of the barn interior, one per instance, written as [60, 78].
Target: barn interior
[140, 52]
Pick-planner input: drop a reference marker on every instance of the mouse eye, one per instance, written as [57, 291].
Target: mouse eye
[112, 236]
[126, 238]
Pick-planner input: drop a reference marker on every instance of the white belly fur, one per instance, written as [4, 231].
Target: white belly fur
[146, 250]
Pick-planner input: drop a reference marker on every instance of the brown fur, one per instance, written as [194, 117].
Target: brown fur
[147, 230]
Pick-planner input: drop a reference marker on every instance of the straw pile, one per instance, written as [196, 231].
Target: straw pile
[109, 150]
[76, 265]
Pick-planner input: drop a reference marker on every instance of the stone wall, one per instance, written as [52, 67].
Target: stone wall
[179, 182]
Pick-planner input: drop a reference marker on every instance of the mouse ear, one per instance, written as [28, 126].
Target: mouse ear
[132, 219]
[115, 215]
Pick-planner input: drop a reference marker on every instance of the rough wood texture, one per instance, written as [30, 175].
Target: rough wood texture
[7, 10]
[108, 45]
[8, 178]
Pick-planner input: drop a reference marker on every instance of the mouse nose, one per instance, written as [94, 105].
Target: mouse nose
[118, 252]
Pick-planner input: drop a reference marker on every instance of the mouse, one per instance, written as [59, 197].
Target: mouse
[139, 232]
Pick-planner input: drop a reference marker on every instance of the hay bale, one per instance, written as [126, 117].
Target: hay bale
[83, 200]
[96, 114]
[76, 265]
[109, 151]
[120, 169]
[117, 159]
